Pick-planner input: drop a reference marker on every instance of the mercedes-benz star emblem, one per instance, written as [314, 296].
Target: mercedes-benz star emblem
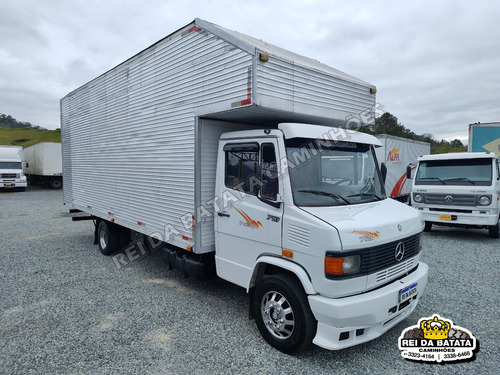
[400, 251]
[448, 199]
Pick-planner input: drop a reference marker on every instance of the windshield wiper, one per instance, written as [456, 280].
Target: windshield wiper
[331, 195]
[461, 179]
[365, 195]
[432, 178]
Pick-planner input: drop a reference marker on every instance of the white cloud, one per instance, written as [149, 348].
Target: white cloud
[435, 63]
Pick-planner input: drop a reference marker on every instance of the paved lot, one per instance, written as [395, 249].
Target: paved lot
[67, 309]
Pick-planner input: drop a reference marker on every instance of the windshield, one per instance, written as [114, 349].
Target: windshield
[454, 172]
[332, 174]
[10, 165]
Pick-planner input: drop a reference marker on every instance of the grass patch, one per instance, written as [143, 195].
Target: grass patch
[28, 136]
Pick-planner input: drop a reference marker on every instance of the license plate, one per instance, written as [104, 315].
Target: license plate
[8, 184]
[408, 292]
[444, 217]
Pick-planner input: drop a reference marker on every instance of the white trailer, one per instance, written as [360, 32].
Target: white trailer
[11, 168]
[395, 155]
[43, 164]
[459, 189]
[198, 146]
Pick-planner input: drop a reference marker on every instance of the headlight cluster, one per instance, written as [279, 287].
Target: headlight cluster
[484, 200]
[342, 265]
[418, 198]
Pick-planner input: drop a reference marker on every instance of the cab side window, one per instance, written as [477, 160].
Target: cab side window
[242, 167]
[250, 168]
[269, 169]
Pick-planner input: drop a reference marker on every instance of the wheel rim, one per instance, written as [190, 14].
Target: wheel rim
[103, 239]
[277, 315]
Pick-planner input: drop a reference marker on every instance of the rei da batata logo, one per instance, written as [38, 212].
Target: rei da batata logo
[436, 339]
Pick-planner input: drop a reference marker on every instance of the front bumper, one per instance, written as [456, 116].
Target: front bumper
[11, 185]
[478, 217]
[350, 321]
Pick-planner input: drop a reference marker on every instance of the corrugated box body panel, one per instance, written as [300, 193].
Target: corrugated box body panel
[287, 85]
[44, 159]
[129, 135]
[135, 146]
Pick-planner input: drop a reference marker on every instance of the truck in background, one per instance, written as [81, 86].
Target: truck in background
[43, 164]
[202, 146]
[11, 168]
[484, 137]
[458, 189]
[395, 155]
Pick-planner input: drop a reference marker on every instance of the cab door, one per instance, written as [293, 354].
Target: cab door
[248, 219]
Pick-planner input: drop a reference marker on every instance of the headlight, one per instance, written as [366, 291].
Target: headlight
[418, 198]
[484, 200]
[342, 265]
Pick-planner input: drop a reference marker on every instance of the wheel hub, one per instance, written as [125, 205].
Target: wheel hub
[277, 315]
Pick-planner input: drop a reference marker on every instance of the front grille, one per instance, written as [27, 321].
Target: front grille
[382, 257]
[456, 199]
[8, 175]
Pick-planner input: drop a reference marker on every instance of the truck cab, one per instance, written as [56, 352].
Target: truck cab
[458, 189]
[11, 168]
[304, 224]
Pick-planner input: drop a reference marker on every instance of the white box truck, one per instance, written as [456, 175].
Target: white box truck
[484, 137]
[43, 164]
[458, 189]
[11, 168]
[199, 146]
[395, 155]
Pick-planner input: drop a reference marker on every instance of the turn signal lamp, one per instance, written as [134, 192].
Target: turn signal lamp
[337, 266]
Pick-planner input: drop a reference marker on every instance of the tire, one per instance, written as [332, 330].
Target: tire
[493, 231]
[55, 183]
[282, 314]
[108, 238]
[428, 226]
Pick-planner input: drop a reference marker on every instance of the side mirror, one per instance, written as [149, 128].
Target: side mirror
[408, 172]
[27, 165]
[383, 170]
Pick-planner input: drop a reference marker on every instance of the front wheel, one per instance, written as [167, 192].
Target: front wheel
[428, 226]
[493, 231]
[282, 313]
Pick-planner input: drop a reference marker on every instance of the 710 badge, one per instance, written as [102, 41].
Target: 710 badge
[436, 339]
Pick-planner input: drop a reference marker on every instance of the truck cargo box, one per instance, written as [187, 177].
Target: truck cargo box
[397, 153]
[484, 137]
[140, 141]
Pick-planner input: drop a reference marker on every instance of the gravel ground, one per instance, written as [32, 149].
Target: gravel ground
[67, 309]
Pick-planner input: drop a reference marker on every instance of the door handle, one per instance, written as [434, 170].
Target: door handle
[223, 213]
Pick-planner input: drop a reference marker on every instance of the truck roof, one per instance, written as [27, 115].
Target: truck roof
[309, 131]
[458, 156]
[252, 46]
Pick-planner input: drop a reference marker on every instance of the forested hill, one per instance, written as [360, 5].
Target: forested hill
[388, 124]
[15, 133]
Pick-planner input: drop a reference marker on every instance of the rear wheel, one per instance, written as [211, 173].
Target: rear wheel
[108, 237]
[55, 183]
[282, 314]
